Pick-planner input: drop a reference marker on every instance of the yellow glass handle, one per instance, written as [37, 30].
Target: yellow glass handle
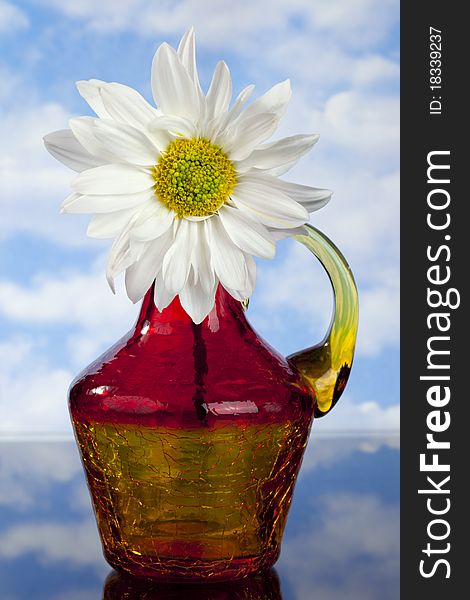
[326, 366]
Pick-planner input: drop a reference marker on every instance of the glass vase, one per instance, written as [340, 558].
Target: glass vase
[192, 436]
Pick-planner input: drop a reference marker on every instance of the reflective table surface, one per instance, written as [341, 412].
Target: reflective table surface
[341, 540]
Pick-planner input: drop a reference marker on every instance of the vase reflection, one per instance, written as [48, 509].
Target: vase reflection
[264, 586]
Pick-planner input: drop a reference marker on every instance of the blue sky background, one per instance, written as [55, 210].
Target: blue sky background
[56, 312]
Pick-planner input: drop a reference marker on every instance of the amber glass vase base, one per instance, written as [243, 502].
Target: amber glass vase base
[173, 570]
[197, 504]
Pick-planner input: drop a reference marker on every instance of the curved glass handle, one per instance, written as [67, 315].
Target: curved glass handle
[326, 366]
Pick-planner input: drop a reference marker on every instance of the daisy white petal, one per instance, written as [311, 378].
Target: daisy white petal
[162, 297]
[237, 107]
[215, 128]
[282, 234]
[83, 129]
[280, 213]
[140, 275]
[201, 259]
[64, 146]
[247, 291]
[127, 143]
[282, 169]
[197, 219]
[122, 255]
[70, 201]
[311, 198]
[157, 222]
[107, 225]
[116, 101]
[251, 275]
[177, 261]
[126, 105]
[196, 301]
[314, 198]
[90, 92]
[268, 205]
[187, 55]
[227, 259]
[172, 87]
[112, 179]
[240, 142]
[249, 235]
[167, 126]
[105, 203]
[274, 101]
[220, 91]
[279, 153]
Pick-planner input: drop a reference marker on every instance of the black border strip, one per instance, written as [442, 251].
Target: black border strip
[424, 131]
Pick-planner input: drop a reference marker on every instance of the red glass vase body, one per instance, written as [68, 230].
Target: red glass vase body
[191, 438]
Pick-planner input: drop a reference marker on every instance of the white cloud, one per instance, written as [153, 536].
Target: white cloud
[361, 22]
[90, 320]
[10, 83]
[30, 469]
[350, 415]
[374, 70]
[355, 535]
[334, 68]
[42, 388]
[82, 301]
[328, 46]
[52, 544]
[12, 18]
[33, 184]
[358, 24]
[326, 449]
[360, 123]
[363, 219]
[379, 327]
[56, 299]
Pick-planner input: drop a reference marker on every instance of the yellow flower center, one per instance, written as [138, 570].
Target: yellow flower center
[193, 177]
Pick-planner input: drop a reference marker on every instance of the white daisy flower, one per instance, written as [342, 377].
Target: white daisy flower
[189, 191]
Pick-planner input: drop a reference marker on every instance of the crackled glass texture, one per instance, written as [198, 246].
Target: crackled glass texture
[191, 437]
